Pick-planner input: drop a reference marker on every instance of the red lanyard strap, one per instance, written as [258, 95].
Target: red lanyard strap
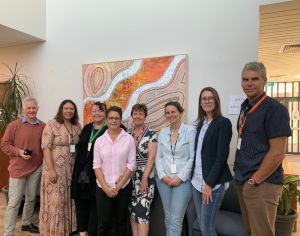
[253, 108]
[138, 141]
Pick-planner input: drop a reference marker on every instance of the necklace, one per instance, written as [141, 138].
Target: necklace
[137, 137]
[174, 132]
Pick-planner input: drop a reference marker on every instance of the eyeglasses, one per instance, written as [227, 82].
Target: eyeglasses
[209, 100]
[114, 118]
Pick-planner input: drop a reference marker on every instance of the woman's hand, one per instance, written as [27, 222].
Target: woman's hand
[176, 181]
[110, 192]
[167, 180]
[53, 176]
[206, 194]
[144, 188]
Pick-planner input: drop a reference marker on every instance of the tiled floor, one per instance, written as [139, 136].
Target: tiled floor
[18, 226]
[293, 160]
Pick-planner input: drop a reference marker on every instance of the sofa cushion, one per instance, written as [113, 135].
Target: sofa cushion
[230, 223]
[230, 201]
[227, 224]
[196, 225]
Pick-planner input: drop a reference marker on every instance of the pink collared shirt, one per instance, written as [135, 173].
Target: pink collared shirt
[114, 158]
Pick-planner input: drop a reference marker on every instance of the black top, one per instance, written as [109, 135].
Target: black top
[269, 120]
[215, 151]
[84, 161]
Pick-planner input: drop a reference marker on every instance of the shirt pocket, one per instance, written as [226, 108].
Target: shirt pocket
[184, 147]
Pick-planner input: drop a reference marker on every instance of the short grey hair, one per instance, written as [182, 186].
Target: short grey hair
[29, 99]
[256, 66]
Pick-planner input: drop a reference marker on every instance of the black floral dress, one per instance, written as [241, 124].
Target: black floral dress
[140, 204]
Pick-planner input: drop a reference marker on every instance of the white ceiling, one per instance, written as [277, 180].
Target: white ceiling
[11, 37]
[279, 27]
[279, 40]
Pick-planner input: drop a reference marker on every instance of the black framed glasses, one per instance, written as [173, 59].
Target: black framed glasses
[207, 100]
[110, 118]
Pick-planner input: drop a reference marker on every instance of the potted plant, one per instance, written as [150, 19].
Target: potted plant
[286, 213]
[13, 90]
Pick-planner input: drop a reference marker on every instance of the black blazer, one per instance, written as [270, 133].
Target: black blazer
[215, 151]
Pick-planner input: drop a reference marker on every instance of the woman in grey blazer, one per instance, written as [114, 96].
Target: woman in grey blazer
[211, 174]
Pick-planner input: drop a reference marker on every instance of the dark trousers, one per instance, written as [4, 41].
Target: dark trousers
[86, 214]
[109, 207]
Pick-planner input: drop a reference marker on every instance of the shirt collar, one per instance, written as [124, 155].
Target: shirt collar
[121, 134]
[204, 122]
[252, 104]
[179, 131]
[36, 122]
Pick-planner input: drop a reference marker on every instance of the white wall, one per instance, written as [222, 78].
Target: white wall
[218, 36]
[27, 16]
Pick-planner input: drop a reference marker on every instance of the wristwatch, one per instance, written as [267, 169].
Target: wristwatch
[253, 183]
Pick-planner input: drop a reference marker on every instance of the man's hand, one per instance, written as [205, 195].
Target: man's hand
[25, 157]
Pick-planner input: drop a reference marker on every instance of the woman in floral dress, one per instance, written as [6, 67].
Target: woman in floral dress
[143, 178]
[57, 210]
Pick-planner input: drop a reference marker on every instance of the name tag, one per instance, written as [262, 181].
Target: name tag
[239, 143]
[173, 168]
[89, 146]
[72, 148]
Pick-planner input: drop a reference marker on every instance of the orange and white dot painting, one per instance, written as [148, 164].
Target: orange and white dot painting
[153, 81]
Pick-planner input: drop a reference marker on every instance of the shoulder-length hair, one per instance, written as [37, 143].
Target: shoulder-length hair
[59, 116]
[216, 112]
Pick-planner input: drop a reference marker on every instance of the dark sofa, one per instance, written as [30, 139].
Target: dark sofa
[229, 219]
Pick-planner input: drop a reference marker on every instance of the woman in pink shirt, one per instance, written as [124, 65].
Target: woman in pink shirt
[114, 161]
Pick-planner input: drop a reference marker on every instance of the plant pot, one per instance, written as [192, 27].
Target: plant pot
[284, 225]
[5, 191]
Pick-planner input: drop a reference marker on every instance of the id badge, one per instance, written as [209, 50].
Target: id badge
[89, 146]
[173, 168]
[72, 148]
[239, 143]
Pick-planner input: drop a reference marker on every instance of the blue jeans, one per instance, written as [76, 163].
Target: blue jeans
[175, 201]
[207, 213]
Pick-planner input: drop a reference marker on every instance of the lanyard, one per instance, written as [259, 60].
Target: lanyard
[92, 136]
[70, 134]
[133, 135]
[173, 152]
[253, 108]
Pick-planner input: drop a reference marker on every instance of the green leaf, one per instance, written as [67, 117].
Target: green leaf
[289, 191]
[14, 90]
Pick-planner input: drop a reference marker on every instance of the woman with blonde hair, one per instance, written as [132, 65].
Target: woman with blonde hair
[83, 186]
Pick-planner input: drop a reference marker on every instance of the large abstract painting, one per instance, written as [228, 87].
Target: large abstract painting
[153, 81]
